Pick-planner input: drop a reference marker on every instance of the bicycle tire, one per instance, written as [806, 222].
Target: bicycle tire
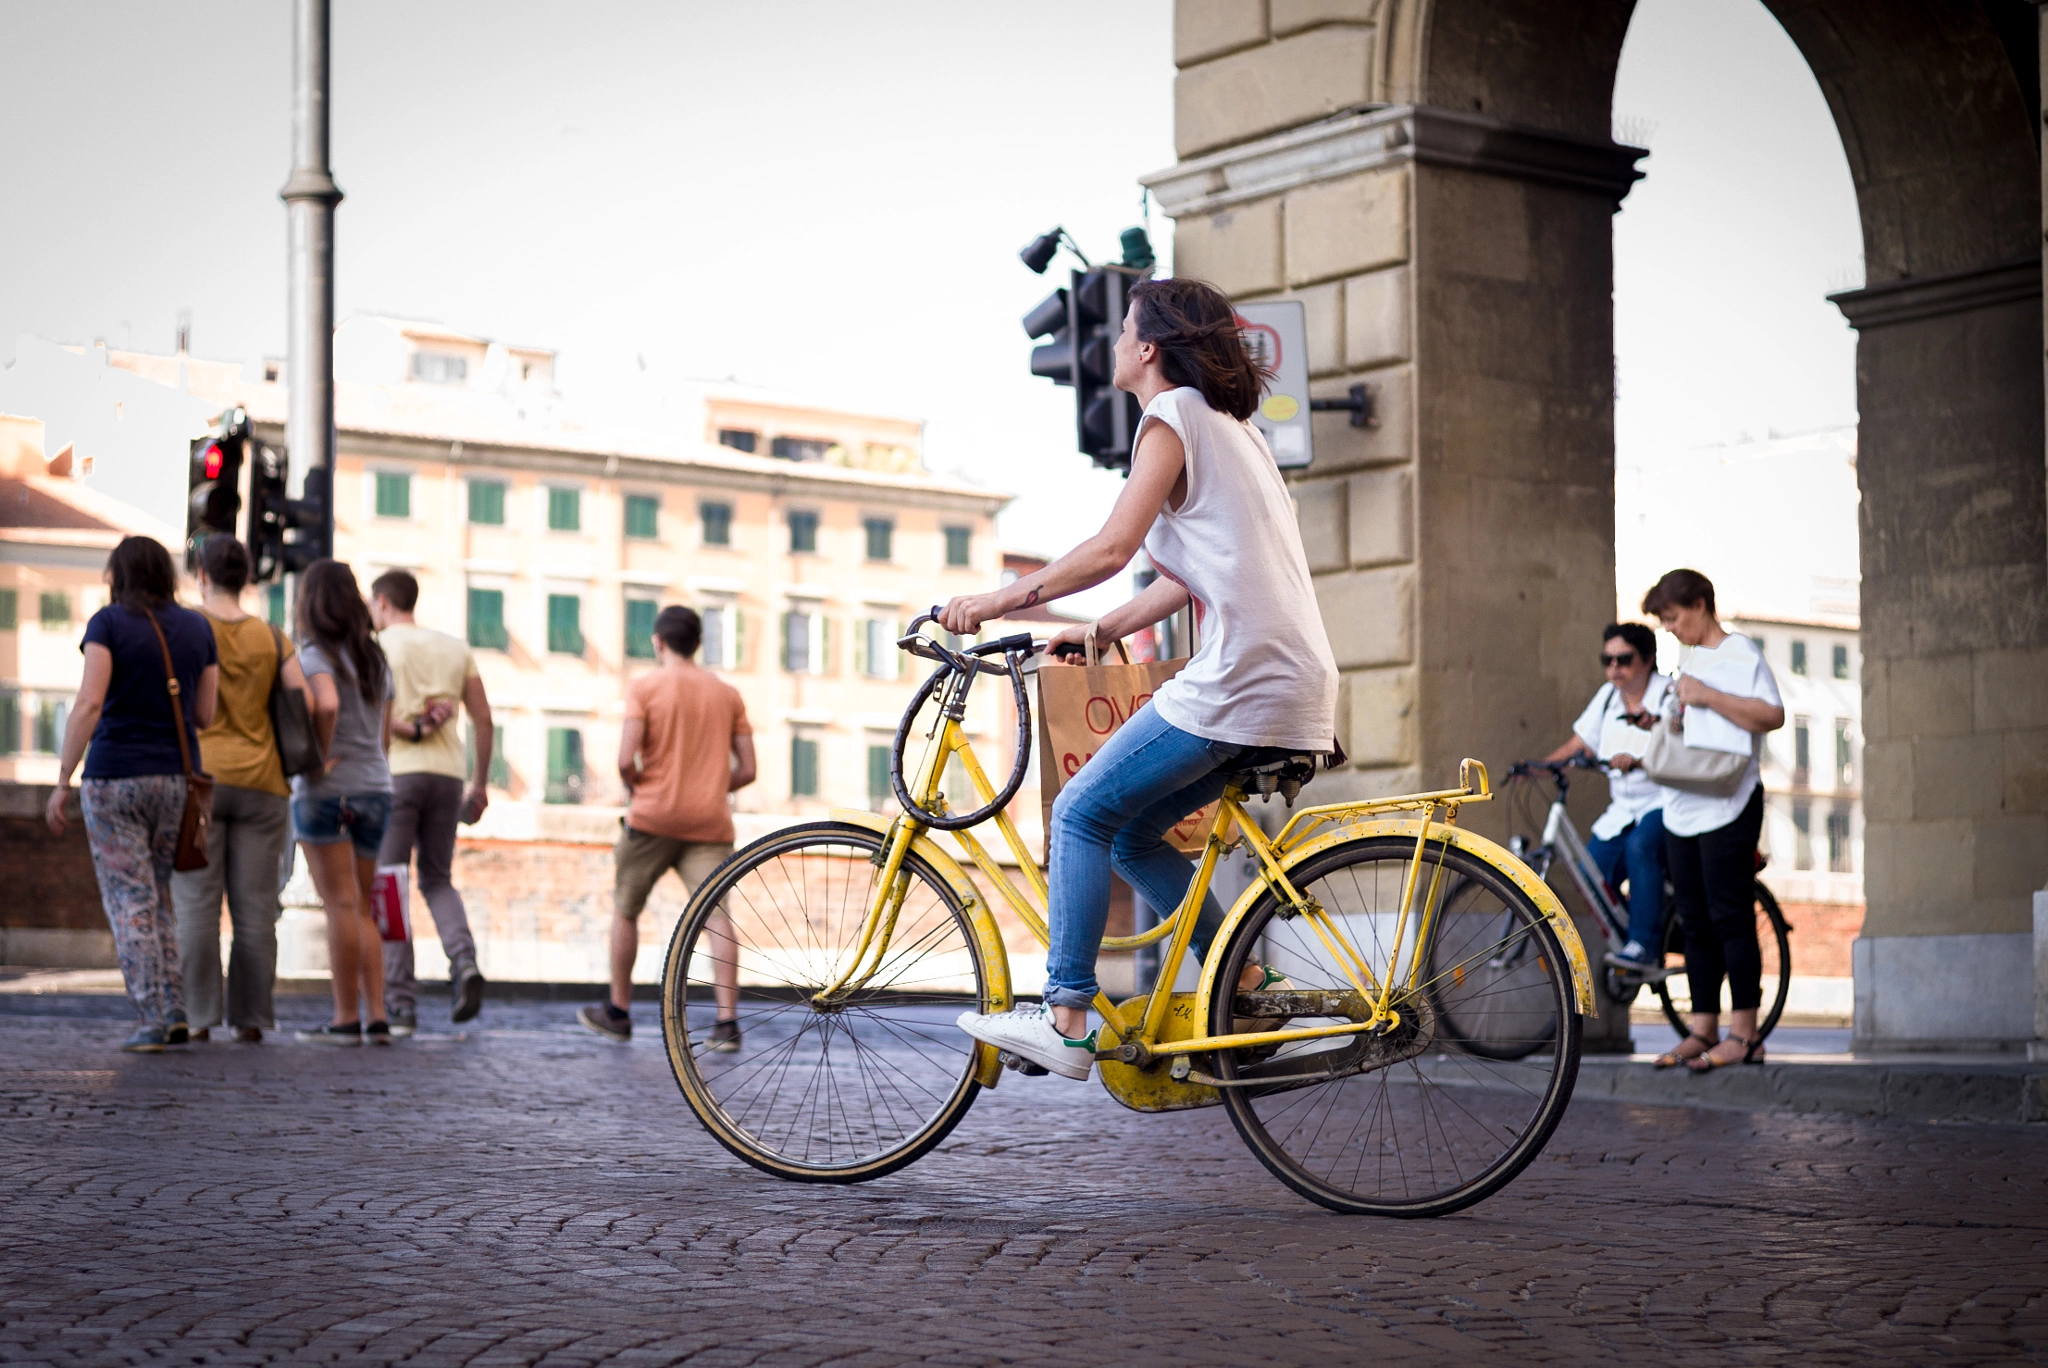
[1490, 1035]
[905, 1075]
[1502, 1112]
[1677, 1011]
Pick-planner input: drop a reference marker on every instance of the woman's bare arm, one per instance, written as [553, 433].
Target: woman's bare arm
[86, 706]
[1750, 714]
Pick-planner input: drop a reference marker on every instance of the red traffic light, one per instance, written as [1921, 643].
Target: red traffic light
[213, 458]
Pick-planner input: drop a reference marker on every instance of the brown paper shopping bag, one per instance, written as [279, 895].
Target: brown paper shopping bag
[1080, 707]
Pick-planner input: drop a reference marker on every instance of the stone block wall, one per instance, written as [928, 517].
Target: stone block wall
[50, 915]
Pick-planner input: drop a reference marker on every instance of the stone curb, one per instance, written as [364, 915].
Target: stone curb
[1892, 1089]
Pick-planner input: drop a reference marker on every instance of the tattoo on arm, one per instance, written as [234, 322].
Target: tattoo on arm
[1031, 599]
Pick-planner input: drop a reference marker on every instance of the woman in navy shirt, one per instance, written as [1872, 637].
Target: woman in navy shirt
[133, 794]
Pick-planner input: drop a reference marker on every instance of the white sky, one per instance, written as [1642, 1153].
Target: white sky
[821, 198]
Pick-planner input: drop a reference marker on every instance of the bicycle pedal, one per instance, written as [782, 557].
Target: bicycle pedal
[1022, 1065]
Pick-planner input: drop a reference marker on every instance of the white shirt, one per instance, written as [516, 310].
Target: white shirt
[1734, 667]
[1602, 727]
[1263, 674]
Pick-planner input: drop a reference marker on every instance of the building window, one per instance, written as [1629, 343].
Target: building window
[565, 624]
[959, 542]
[739, 439]
[803, 532]
[806, 644]
[1838, 840]
[10, 609]
[10, 722]
[803, 767]
[640, 614]
[565, 510]
[880, 790]
[273, 605]
[439, 368]
[487, 620]
[501, 768]
[1841, 661]
[724, 630]
[717, 523]
[643, 516]
[1802, 751]
[1844, 768]
[798, 449]
[394, 494]
[51, 715]
[1798, 656]
[54, 610]
[874, 648]
[881, 533]
[565, 765]
[487, 503]
[1802, 834]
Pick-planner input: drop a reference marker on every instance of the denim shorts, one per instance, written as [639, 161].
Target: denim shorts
[360, 817]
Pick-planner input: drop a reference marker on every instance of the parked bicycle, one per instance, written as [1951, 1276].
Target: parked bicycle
[857, 940]
[1560, 842]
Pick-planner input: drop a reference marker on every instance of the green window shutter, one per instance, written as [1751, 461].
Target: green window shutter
[273, 605]
[10, 609]
[640, 615]
[565, 765]
[738, 658]
[54, 610]
[825, 635]
[500, 776]
[487, 502]
[784, 634]
[565, 624]
[487, 620]
[565, 510]
[803, 767]
[10, 721]
[881, 534]
[803, 532]
[394, 495]
[862, 665]
[51, 715]
[959, 542]
[879, 790]
[643, 516]
[717, 523]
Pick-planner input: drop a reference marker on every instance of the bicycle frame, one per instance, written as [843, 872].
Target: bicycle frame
[1561, 837]
[1381, 993]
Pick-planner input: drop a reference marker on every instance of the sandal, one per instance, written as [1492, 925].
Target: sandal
[1706, 1063]
[1671, 1058]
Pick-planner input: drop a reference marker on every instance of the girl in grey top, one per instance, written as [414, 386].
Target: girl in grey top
[340, 813]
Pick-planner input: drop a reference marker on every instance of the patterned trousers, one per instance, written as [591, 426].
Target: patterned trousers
[132, 825]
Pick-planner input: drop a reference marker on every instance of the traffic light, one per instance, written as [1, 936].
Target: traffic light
[1082, 323]
[213, 482]
[307, 514]
[268, 472]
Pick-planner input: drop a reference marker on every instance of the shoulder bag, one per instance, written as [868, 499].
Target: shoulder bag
[198, 815]
[1691, 769]
[291, 727]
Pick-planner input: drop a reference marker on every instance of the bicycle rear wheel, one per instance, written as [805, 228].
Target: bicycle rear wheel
[840, 1092]
[1773, 938]
[1414, 1123]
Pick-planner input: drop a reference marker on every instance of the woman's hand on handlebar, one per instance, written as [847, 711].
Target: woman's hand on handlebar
[964, 614]
[1072, 639]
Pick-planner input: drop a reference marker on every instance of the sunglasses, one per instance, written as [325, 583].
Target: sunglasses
[1622, 661]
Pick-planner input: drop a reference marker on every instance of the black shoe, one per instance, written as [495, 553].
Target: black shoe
[176, 1031]
[467, 986]
[608, 1021]
[349, 1034]
[377, 1033]
[725, 1037]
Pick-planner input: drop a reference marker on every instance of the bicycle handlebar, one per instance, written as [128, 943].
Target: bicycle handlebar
[964, 665]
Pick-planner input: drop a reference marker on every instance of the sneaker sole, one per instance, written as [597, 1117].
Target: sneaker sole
[602, 1034]
[469, 999]
[338, 1041]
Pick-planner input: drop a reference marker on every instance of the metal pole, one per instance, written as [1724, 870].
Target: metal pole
[310, 196]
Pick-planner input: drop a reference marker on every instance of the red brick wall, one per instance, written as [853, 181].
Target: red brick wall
[49, 883]
[1821, 933]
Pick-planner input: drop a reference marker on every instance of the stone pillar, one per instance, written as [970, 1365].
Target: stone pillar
[1954, 532]
[1463, 545]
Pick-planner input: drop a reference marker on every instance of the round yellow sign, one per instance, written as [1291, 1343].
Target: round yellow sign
[1280, 408]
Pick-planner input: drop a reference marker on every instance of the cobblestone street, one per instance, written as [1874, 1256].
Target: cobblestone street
[526, 1193]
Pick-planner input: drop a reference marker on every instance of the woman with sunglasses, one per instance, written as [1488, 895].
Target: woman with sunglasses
[1628, 840]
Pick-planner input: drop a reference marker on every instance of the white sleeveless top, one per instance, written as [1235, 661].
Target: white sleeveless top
[1263, 674]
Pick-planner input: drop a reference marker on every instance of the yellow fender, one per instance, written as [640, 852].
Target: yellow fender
[1409, 829]
[995, 957]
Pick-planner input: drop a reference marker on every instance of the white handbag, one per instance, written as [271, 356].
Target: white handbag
[1691, 769]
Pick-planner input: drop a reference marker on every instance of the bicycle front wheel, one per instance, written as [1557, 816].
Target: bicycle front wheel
[836, 1091]
[1415, 1122]
[1774, 941]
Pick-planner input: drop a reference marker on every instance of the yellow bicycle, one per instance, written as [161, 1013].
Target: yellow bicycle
[1390, 937]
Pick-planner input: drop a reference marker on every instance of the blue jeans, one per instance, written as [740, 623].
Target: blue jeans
[1638, 850]
[360, 818]
[1117, 809]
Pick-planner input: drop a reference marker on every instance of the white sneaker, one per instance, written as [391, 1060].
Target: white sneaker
[1027, 1030]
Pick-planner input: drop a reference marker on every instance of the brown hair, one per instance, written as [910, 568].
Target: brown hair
[1679, 589]
[332, 615]
[397, 588]
[680, 629]
[1196, 331]
[226, 563]
[141, 574]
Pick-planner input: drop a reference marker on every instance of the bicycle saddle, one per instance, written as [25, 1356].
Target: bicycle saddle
[1266, 770]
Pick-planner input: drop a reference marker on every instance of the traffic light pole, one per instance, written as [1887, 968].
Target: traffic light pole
[310, 196]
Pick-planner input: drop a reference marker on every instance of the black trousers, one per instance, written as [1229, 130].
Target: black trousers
[1712, 876]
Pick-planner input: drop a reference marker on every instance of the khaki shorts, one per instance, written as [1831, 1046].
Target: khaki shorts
[641, 858]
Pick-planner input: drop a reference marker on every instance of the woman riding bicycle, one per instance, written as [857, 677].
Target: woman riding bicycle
[1207, 503]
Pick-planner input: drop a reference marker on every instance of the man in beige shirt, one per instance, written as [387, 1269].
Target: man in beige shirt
[431, 673]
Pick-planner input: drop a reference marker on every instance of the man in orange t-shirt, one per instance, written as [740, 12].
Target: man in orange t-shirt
[685, 747]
